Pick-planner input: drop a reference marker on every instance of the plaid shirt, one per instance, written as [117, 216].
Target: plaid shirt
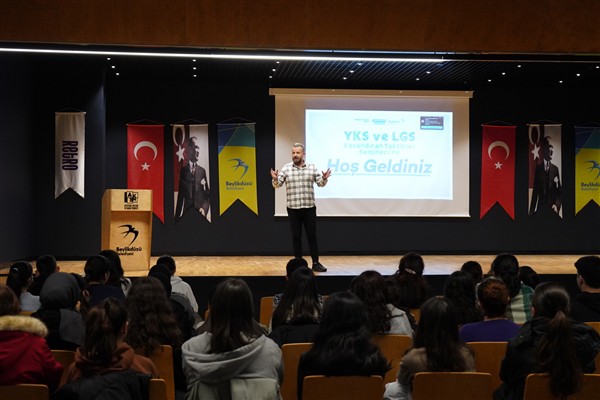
[519, 308]
[299, 184]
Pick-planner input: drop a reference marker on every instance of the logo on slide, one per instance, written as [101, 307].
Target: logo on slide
[432, 123]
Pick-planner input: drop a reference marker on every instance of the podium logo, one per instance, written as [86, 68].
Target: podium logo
[130, 199]
[129, 229]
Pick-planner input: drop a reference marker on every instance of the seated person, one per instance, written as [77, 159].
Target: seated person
[342, 345]
[97, 269]
[59, 297]
[44, 266]
[19, 279]
[586, 306]
[460, 292]
[492, 299]
[24, 354]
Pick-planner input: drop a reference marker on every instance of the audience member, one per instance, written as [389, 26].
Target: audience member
[586, 306]
[182, 309]
[106, 363]
[460, 292]
[528, 276]
[178, 285]
[436, 348]
[152, 322]
[296, 318]
[473, 269]
[116, 274]
[233, 351]
[97, 270]
[549, 343]
[383, 317]
[292, 265]
[24, 354]
[506, 267]
[20, 277]
[492, 299]
[59, 298]
[407, 287]
[45, 266]
[342, 345]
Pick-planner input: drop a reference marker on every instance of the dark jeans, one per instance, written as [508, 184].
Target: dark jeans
[306, 217]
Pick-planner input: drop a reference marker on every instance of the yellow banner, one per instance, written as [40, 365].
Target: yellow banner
[587, 177]
[237, 166]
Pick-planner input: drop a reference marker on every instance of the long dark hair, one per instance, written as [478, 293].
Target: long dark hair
[506, 267]
[19, 276]
[231, 316]
[343, 339]
[116, 273]
[103, 326]
[438, 334]
[460, 291]
[371, 288]
[300, 301]
[9, 302]
[408, 288]
[152, 322]
[556, 352]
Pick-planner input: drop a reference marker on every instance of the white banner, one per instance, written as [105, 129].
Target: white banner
[69, 153]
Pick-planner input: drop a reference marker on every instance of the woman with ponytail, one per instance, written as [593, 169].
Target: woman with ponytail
[550, 343]
[104, 349]
[407, 287]
[20, 277]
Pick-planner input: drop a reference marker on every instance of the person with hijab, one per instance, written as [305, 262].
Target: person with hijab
[59, 297]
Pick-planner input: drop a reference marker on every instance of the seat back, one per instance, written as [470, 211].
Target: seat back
[65, 358]
[537, 387]
[162, 357]
[158, 389]
[452, 385]
[24, 391]
[266, 310]
[596, 326]
[488, 358]
[416, 312]
[320, 387]
[393, 348]
[290, 353]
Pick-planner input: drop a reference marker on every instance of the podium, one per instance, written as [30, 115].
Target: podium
[127, 226]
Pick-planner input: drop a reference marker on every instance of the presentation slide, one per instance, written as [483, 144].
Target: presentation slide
[382, 154]
[391, 153]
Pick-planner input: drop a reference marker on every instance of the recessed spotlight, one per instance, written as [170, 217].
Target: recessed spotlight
[418, 79]
[359, 63]
[113, 67]
[194, 60]
[117, 74]
[489, 80]
[195, 76]
[194, 68]
[504, 73]
[107, 58]
[560, 81]
[344, 78]
[270, 76]
[597, 66]
[277, 62]
[273, 70]
[519, 66]
[428, 72]
[351, 71]
[578, 74]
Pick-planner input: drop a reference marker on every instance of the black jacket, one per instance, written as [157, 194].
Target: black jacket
[122, 385]
[586, 307]
[520, 358]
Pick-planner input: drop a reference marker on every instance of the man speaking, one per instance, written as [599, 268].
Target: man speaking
[299, 178]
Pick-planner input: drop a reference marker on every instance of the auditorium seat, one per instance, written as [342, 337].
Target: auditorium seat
[537, 387]
[266, 310]
[65, 358]
[488, 358]
[162, 357]
[290, 353]
[320, 387]
[452, 386]
[24, 391]
[393, 348]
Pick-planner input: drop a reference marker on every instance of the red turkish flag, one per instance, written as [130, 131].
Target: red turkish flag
[146, 163]
[498, 168]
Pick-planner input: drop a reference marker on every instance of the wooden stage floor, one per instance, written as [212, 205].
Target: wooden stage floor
[339, 265]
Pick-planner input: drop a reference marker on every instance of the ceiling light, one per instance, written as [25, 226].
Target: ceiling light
[418, 79]
[195, 76]
[117, 74]
[273, 70]
[194, 60]
[194, 68]
[489, 80]
[578, 74]
[504, 73]
[344, 78]
[560, 81]
[107, 58]
[351, 71]
[428, 72]
[113, 67]
[519, 66]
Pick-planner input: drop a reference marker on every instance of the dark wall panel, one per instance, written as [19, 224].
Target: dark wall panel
[16, 159]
